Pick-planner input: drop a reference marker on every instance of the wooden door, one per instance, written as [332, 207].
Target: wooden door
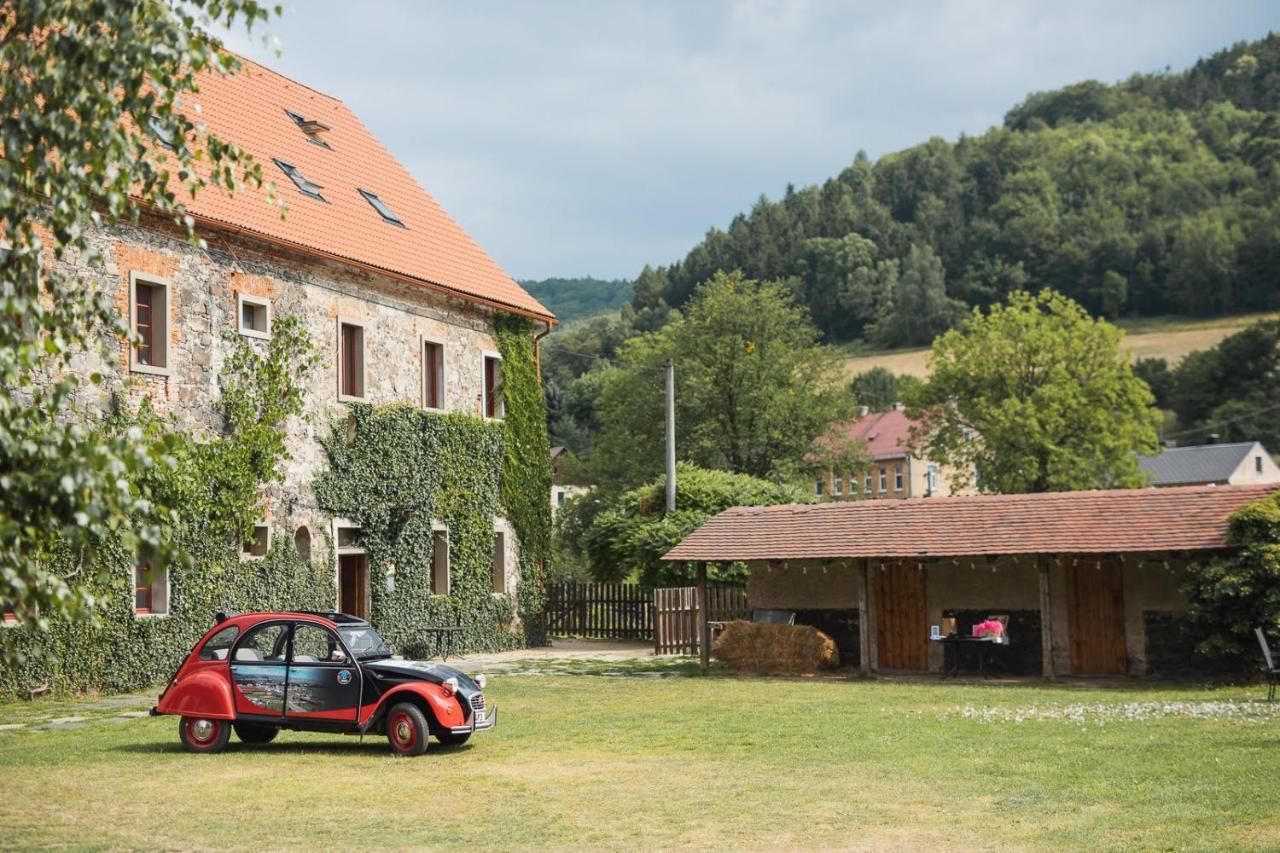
[353, 585]
[1095, 616]
[901, 632]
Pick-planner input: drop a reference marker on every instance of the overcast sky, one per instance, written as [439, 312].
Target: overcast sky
[589, 138]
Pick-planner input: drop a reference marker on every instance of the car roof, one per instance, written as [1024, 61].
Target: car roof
[331, 619]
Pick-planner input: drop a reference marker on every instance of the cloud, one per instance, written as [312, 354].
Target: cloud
[577, 137]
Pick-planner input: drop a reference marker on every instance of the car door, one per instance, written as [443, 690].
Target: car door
[259, 669]
[324, 682]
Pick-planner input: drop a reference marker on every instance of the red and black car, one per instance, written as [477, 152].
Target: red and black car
[258, 673]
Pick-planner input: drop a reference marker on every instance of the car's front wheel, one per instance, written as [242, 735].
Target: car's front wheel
[250, 733]
[407, 729]
[201, 735]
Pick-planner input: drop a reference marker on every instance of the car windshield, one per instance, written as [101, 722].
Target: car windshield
[364, 642]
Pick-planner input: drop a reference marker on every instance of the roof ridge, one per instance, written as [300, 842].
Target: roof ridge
[267, 68]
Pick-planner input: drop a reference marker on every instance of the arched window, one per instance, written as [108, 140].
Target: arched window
[302, 541]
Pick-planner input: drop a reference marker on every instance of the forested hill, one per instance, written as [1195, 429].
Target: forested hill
[575, 298]
[1157, 195]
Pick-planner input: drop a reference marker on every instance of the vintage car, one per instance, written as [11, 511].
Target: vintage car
[258, 673]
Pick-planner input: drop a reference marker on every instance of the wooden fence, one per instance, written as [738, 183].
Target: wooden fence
[612, 611]
[675, 615]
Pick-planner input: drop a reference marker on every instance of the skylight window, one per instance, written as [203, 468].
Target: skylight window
[295, 174]
[160, 132]
[312, 128]
[381, 206]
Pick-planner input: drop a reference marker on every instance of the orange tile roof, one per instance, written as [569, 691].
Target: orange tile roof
[1120, 520]
[885, 434]
[432, 250]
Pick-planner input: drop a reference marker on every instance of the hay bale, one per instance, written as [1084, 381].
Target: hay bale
[760, 649]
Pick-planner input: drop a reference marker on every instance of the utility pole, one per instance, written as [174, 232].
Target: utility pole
[671, 436]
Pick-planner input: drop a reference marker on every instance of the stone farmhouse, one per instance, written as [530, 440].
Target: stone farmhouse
[398, 299]
[893, 471]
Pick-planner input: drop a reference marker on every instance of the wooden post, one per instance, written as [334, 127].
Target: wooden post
[864, 621]
[1046, 617]
[704, 627]
[873, 658]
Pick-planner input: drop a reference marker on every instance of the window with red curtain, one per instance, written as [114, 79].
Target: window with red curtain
[492, 406]
[352, 356]
[144, 323]
[432, 356]
[142, 588]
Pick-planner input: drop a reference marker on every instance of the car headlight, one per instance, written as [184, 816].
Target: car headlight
[450, 686]
[481, 681]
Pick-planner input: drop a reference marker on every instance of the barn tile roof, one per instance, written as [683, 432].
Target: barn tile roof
[249, 110]
[1208, 463]
[1173, 519]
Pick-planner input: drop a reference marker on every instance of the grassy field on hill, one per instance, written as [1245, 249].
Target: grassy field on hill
[1170, 338]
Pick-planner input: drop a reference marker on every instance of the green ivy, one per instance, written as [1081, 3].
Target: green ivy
[217, 484]
[526, 471]
[393, 471]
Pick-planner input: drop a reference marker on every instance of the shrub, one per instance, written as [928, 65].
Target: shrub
[760, 649]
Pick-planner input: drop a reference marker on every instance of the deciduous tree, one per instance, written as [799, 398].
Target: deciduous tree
[1039, 396]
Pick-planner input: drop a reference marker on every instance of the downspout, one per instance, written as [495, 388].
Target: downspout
[537, 348]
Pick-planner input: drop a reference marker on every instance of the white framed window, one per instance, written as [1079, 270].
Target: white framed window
[440, 561]
[931, 474]
[884, 480]
[149, 303]
[150, 590]
[351, 365]
[258, 543]
[499, 561]
[897, 479]
[837, 487]
[432, 374]
[817, 488]
[494, 406]
[866, 484]
[253, 315]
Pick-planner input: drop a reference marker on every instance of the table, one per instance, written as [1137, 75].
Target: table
[444, 639]
[983, 648]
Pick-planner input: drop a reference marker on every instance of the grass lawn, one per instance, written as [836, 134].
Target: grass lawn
[632, 760]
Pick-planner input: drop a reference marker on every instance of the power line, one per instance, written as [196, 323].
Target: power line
[1226, 422]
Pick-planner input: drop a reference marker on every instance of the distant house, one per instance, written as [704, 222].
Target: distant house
[560, 491]
[1216, 464]
[894, 472]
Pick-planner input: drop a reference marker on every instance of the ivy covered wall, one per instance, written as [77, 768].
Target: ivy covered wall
[392, 471]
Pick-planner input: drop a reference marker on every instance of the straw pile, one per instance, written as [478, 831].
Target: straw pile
[759, 649]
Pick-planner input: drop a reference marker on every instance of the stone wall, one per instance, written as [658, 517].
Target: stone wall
[204, 285]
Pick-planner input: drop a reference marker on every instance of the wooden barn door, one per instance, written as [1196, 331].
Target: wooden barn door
[901, 632]
[1095, 613]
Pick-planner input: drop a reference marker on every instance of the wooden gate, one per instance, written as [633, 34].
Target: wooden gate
[613, 611]
[901, 632]
[675, 615]
[1095, 617]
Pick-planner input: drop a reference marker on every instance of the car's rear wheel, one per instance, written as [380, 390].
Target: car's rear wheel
[203, 735]
[451, 739]
[250, 733]
[407, 729]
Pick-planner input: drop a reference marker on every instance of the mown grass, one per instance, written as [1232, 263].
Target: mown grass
[630, 760]
[1170, 338]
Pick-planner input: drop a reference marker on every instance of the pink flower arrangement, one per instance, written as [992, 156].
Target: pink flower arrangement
[989, 628]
